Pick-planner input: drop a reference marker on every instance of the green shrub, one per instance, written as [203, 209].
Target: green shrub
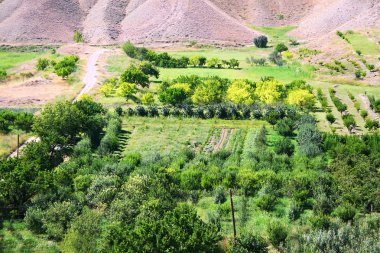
[267, 202]
[42, 64]
[3, 75]
[247, 243]
[277, 233]
[78, 37]
[364, 114]
[372, 125]
[320, 221]
[34, 220]
[261, 41]
[360, 74]
[345, 212]
[330, 118]
[281, 47]
[220, 196]
[284, 146]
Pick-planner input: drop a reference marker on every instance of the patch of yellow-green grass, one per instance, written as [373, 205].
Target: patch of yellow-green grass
[362, 43]
[8, 143]
[168, 135]
[16, 238]
[285, 73]
[10, 60]
[276, 34]
[116, 64]
[345, 88]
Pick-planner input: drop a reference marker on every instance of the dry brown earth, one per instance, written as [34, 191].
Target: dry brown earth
[158, 21]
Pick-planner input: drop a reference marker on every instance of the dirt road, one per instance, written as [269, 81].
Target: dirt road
[90, 79]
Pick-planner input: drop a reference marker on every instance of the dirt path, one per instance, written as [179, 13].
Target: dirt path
[367, 106]
[90, 79]
[222, 140]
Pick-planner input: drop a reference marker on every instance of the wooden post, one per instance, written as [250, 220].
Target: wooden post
[233, 214]
[18, 144]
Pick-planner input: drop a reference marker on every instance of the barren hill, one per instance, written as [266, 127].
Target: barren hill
[152, 21]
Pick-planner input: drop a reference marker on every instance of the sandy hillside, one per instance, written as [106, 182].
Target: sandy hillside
[152, 21]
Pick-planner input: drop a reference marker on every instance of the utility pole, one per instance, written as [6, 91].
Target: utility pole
[233, 214]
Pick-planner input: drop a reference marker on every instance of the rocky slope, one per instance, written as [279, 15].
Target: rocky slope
[156, 21]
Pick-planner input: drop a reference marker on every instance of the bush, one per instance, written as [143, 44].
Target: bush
[42, 64]
[135, 75]
[247, 243]
[276, 58]
[220, 196]
[147, 99]
[34, 220]
[267, 202]
[67, 66]
[330, 118]
[261, 41]
[372, 125]
[57, 219]
[345, 212]
[284, 147]
[320, 221]
[360, 74]
[78, 37]
[364, 114]
[3, 75]
[281, 48]
[285, 127]
[277, 233]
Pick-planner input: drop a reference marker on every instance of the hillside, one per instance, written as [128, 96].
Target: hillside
[152, 21]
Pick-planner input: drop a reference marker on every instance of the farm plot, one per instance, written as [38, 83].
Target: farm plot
[164, 135]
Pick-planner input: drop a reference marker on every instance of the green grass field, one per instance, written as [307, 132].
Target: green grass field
[14, 238]
[365, 45]
[10, 60]
[276, 34]
[168, 135]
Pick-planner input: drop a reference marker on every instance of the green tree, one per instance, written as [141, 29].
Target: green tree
[42, 64]
[284, 146]
[209, 92]
[67, 66]
[175, 94]
[83, 230]
[281, 47]
[304, 99]
[213, 63]
[59, 123]
[195, 60]
[147, 99]
[269, 91]
[135, 75]
[240, 92]
[78, 37]
[126, 90]
[261, 41]
[148, 69]
[179, 230]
